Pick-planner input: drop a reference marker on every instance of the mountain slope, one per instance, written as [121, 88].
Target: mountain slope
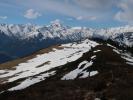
[81, 70]
[38, 65]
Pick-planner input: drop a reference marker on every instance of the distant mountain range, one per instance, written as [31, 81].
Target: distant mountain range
[21, 40]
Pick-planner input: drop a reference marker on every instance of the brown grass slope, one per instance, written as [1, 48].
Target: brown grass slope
[11, 64]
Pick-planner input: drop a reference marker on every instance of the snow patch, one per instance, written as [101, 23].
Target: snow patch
[2, 71]
[30, 81]
[128, 57]
[96, 51]
[86, 74]
[116, 51]
[111, 46]
[93, 57]
[73, 74]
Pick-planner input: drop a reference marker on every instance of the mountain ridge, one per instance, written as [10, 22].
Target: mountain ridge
[21, 40]
[57, 29]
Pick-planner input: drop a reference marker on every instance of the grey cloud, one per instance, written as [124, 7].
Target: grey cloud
[31, 14]
[126, 13]
[3, 17]
[66, 7]
[96, 5]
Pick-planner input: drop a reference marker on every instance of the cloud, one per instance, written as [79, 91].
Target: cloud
[96, 5]
[90, 18]
[93, 18]
[90, 10]
[125, 14]
[3, 17]
[31, 14]
[69, 8]
[56, 21]
[79, 18]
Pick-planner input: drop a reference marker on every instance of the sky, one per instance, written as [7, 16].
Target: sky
[89, 13]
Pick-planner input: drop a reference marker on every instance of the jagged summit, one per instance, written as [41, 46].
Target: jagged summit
[57, 29]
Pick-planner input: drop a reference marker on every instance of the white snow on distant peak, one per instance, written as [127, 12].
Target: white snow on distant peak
[56, 29]
[78, 28]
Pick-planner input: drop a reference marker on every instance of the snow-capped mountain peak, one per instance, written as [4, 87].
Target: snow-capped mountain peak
[57, 30]
[19, 40]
